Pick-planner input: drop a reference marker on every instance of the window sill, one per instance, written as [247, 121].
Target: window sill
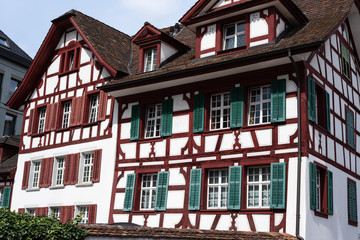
[68, 72]
[33, 189]
[321, 214]
[38, 134]
[86, 184]
[232, 50]
[56, 187]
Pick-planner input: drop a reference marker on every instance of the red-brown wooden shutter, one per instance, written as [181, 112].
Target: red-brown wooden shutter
[48, 116]
[77, 111]
[75, 168]
[46, 172]
[74, 108]
[21, 210]
[49, 172]
[80, 110]
[67, 173]
[54, 116]
[92, 213]
[26, 175]
[31, 122]
[96, 166]
[42, 211]
[66, 213]
[102, 106]
[43, 172]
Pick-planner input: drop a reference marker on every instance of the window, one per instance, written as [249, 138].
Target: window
[150, 59]
[352, 203]
[66, 114]
[9, 126]
[30, 211]
[260, 105]
[94, 107]
[14, 84]
[234, 35]
[59, 171]
[148, 191]
[55, 211]
[3, 42]
[35, 174]
[87, 167]
[345, 62]
[218, 188]
[70, 58]
[258, 187]
[153, 121]
[42, 115]
[220, 111]
[83, 211]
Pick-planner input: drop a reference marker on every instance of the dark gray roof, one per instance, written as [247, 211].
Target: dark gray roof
[13, 52]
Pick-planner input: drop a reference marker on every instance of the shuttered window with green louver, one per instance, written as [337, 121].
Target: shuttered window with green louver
[166, 118]
[195, 189]
[330, 200]
[278, 186]
[237, 107]
[327, 105]
[312, 187]
[311, 100]
[350, 137]
[234, 198]
[135, 122]
[352, 202]
[278, 100]
[199, 110]
[129, 192]
[5, 196]
[346, 61]
[162, 191]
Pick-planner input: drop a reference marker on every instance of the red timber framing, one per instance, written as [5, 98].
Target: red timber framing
[343, 97]
[192, 150]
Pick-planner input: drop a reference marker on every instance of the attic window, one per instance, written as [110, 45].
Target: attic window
[150, 59]
[234, 35]
[70, 59]
[3, 42]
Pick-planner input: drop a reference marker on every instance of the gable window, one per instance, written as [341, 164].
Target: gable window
[260, 105]
[66, 114]
[345, 62]
[70, 58]
[220, 111]
[258, 187]
[42, 115]
[9, 126]
[35, 174]
[59, 171]
[234, 35]
[153, 121]
[150, 59]
[148, 191]
[86, 167]
[218, 188]
[93, 108]
[4, 42]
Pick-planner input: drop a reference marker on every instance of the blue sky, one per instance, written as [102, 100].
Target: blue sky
[27, 22]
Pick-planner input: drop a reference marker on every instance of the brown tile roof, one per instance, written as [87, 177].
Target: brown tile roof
[323, 16]
[9, 164]
[129, 232]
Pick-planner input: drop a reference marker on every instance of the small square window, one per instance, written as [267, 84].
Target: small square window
[150, 59]
[55, 211]
[234, 35]
[258, 187]
[220, 111]
[93, 108]
[70, 58]
[148, 191]
[217, 188]
[30, 211]
[260, 105]
[153, 121]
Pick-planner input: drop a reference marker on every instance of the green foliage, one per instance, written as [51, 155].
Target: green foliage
[15, 226]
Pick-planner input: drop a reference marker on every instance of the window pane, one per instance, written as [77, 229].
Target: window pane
[230, 43]
[241, 40]
[230, 30]
[14, 84]
[9, 127]
[240, 27]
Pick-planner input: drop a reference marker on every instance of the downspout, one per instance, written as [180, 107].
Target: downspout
[299, 145]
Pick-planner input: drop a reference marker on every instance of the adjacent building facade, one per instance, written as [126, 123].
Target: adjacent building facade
[243, 117]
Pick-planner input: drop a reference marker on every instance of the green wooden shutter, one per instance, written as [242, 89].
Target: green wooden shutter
[198, 125]
[278, 186]
[129, 192]
[330, 200]
[311, 100]
[352, 211]
[135, 122]
[327, 101]
[6, 197]
[195, 189]
[350, 128]
[234, 196]
[278, 100]
[312, 181]
[161, 191]
[166, 118]
[237, 107]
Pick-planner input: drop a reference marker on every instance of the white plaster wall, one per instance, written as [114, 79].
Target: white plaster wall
[166, 51]
[170, 220]
[258, 25]
[209, 39]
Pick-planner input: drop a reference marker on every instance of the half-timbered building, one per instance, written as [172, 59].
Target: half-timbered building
[243, 117]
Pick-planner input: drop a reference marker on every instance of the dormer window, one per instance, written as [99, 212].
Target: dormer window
[150, 59]
[234, 35]
[3, 42]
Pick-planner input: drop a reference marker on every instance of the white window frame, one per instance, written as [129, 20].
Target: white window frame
[93, 108]
[54, 211]
[318, 190]
[260, 183]
[30, 211]
[153, 121]
[148, 192]
[235, 35]
[221, 186]
[261, 103]
[224, 117]
[150, 59]
[35, 174]
[86, 167]
[42, 116]
[84, 215]
[59, 171]
[66, 114]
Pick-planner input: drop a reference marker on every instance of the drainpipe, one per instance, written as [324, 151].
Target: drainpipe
[299, 146]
